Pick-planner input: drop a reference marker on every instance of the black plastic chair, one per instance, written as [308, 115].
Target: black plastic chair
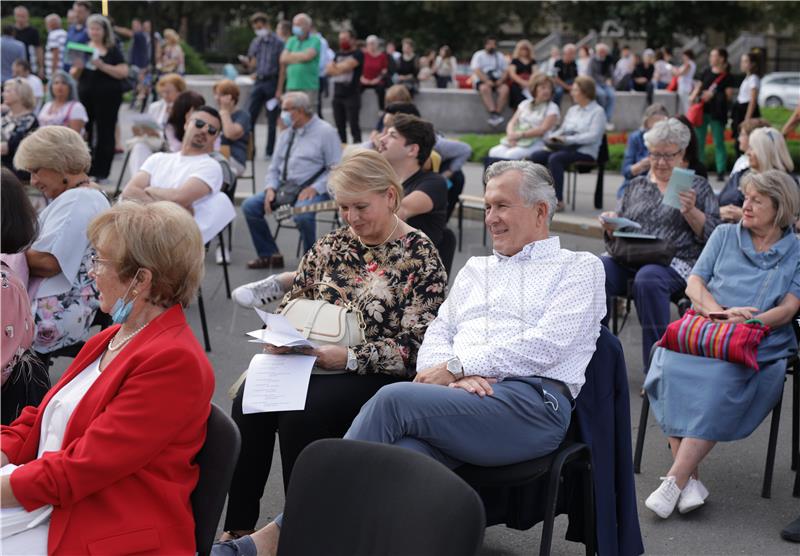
[584, 167]
[678, 298]
[217, 460]
[352, 498]
[447, 249]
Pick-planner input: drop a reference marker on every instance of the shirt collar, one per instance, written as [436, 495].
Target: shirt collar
[308, 126]
[535, 249]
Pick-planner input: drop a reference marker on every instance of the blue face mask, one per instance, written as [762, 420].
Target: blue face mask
[286, 118]
[122, 309]
[297, 31]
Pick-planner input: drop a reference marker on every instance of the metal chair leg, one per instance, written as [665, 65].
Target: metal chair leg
[766, 490]
[202, 308]
[122, 173]
[460, 224]
[588, 509]
[224, 264]
[637, 457]
[796, 416]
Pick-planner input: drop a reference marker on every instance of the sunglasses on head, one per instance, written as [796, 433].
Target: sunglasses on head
[200, 124]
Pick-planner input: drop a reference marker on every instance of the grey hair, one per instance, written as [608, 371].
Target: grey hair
[655, 109]
[66, 78]
[305, 17]
[373, 38]
[55, 18]
[537, 182]
[108, 31]
[781, 190]
[569, 46]
[299, 100]
[671, 131]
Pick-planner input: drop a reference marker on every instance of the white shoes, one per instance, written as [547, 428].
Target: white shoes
[693, 496]
[259, 294]
[664, 499]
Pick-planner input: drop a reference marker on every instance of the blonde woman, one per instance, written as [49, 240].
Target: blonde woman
[18, 119]
[172, 58]
[393, 275]
[520, 71]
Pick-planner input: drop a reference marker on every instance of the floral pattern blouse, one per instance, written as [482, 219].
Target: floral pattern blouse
[398, 287]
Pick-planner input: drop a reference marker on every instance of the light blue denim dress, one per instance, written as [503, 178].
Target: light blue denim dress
[711, 399]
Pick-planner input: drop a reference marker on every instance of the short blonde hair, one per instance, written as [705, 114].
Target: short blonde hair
[364, 171]
[520, 45]
[23, 90]
[171, 35]
[781, 190]
[173, 79]
[227, 87]
[586, 86]
[768, 145]
[397, 93]
[54, 147]
[161, 237]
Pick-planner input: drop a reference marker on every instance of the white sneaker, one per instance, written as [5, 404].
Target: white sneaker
[259, 294]
[693, 496]
[663, 499]
[218, 255]
[495, 120]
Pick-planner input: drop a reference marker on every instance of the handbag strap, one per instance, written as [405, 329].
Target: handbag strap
[286, 157]
[716, 82]
[347, 303]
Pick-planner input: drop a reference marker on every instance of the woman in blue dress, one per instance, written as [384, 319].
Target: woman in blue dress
[747, 270]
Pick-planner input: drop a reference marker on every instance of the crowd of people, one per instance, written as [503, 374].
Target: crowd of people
[459, 373]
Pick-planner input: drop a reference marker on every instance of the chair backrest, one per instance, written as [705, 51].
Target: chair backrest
[603, 156]
[447, 249]
[228, 177]
[217, 460]
[351, 498]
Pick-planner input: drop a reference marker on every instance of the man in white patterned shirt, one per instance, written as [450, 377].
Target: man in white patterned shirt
[505, 357]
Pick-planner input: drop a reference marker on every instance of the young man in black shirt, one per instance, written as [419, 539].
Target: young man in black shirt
[406, 146]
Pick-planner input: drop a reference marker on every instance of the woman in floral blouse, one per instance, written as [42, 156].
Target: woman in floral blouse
[394, 276]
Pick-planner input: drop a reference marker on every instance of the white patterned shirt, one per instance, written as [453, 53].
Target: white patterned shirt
[534, 314]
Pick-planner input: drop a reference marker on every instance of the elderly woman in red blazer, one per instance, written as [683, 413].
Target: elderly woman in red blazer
[111, 448]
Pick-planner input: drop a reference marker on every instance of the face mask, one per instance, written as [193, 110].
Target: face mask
[286, 118]
[344, 45]
[122, 310]
[297, 31]
[261, 33]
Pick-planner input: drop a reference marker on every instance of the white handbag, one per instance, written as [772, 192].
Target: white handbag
[325, 323]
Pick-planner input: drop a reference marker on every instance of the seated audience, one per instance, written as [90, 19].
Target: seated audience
[565, 70]
[662, 69]
[406, 145]
[534, 118]
[642, 76]
[235, 124]
[511, 374]
[445, 68]
[304, 153]
[18, 120]
[490, 72]
[190, 177]
[579, 136]
[700, 401]
[686, 229]
[394, 94]
[766, 150]
[743, 143]
[25, 379]
[584, 60]
[635, 160]
[64, 296]
[600, 70]
[393, 275]
[407, 67]
[182, 108]
[22, 69]
[149, 138]
[119, 433]
[64, 108]
[520, 71]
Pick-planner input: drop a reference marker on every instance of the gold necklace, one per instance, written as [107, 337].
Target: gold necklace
[396, 224]
[125, 339]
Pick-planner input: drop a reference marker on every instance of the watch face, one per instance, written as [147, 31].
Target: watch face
[454, 366]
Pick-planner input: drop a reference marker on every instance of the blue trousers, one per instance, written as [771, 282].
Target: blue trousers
[606, 98]
[262, 92]
[253, 209]
[556, 162]
[653, 285]
[522, 420]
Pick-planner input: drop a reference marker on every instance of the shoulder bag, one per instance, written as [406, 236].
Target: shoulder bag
[323, 322]
[288, 190]
[695, 112]
[635, 253]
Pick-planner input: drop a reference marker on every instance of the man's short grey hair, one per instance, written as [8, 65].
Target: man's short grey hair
[55, 18]
[373, 38]
[305, 17]
[668, 132]
[569, 46]
[537, 182]
[300, 101]
[601, 46]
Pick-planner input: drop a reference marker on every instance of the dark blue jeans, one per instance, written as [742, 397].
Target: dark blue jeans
[556, 162]
[653, 286]
[262, 92]
[253, 209]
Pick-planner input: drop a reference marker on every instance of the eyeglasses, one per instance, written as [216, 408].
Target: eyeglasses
[97, 262]
[200, 124]
[665, 156]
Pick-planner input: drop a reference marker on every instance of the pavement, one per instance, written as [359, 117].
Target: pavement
[735, 519]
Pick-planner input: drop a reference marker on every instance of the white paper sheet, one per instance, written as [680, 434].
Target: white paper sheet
[277, 383]
[279, 332]
[680, 181]
[16, 520]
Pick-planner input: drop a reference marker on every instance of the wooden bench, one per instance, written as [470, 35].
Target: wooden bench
[474, 202]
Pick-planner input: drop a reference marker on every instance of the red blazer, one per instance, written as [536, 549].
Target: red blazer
[122, 481]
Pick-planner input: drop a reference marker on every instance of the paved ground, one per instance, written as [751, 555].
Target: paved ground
[735, 520]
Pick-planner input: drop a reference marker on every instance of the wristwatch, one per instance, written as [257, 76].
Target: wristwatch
[455, 367]
[352, 362]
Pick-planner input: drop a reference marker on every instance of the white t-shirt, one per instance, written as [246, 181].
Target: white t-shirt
[72, 110]
[489, 63]
[56, 38]
[750, 82]
[171, 170]
[37, 86]
[686, 81]
[532, 117]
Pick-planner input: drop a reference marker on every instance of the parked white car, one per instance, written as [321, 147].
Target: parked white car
[781, 88]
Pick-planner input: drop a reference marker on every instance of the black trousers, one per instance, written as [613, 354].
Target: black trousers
[261, 92]
[333, 401]
[380, 92]
[345, 111]
[102, 109]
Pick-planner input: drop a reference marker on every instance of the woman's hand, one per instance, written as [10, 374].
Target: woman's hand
[226, 103]
[332, 358]
[475, 385]
[738, 314]
[731, 213]
[605, 225]
[688, 199]
[641, 167]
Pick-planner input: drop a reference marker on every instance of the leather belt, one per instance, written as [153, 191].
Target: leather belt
[558, 386]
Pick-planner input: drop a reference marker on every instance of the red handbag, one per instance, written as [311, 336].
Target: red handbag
[695, 112]
[673, 84]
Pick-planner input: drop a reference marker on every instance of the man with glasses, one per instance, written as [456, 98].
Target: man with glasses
[302, 157]
[189, 177]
